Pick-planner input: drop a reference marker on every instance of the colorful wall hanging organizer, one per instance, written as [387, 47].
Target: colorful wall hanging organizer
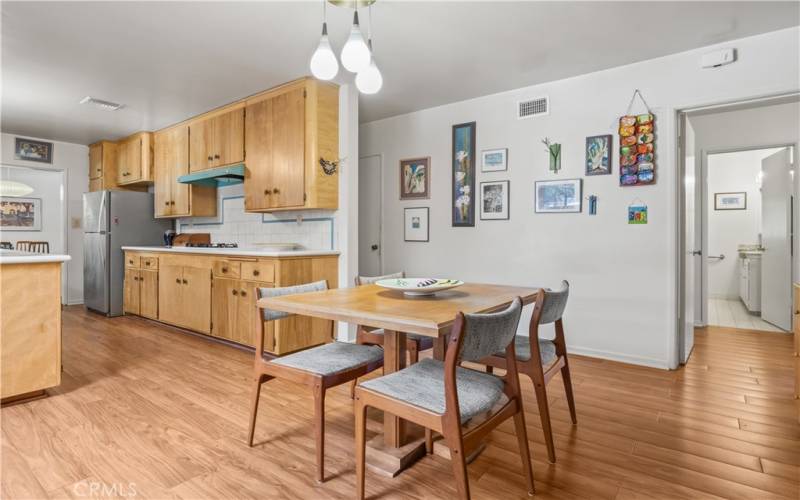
[637, 146]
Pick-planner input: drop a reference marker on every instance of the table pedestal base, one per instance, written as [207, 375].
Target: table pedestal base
[389, 461]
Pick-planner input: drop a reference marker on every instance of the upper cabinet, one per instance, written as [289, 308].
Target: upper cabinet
[170, 161]
[290, 132]
[217, 140]
[135, 159]
[102, 166]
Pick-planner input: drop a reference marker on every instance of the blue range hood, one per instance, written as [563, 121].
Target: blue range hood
[216, 177]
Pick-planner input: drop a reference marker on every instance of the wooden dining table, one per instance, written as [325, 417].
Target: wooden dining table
[399, 314]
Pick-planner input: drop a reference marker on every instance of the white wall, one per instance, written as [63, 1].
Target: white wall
[46, 186]
[727, 229]
[73, 160]
[623, 303]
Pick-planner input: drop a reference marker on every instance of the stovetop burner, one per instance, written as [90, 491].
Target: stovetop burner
[213, 245]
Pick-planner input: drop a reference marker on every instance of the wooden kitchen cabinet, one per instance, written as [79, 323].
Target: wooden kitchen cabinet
[135, 159]
[288, 132]
[233, 309]
[140, 290]
[217, 140]
[102, 165]
[170, 161]
[184, 297]
[130, 291]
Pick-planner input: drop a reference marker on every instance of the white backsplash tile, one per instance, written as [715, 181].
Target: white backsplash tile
[233, 225]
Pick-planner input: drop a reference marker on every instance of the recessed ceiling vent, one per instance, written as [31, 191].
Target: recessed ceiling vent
[538, 106]
[99, 103]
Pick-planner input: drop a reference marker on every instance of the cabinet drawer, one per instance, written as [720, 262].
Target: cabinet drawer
[260, 271]
[226, 269]
[149, 262]
[132, 260]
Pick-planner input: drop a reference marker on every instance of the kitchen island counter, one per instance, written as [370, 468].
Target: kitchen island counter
[235, 252]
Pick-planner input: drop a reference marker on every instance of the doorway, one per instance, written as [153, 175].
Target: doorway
[370, 213]
[727, 220]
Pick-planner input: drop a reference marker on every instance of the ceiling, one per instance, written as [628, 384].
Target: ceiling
[167, 61]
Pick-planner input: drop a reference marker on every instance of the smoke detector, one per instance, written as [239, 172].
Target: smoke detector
[99, 103]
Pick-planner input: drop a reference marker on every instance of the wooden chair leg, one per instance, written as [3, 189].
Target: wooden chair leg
[353, 388]
[544, 414]
[319, 430]
[459, 462]
[524, 449]
[413, 352]
[428, 441]
[361, 443]
[257, 381]
[568, 389]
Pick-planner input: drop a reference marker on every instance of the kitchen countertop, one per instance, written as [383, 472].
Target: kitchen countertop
[236, 252]
[17, 257]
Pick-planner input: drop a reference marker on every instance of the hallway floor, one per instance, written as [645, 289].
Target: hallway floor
[733, 314]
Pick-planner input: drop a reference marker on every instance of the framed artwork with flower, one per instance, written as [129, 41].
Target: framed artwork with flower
[415, 178]
[463, 190]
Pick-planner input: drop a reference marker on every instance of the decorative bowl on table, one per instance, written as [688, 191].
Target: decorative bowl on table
[419, 286]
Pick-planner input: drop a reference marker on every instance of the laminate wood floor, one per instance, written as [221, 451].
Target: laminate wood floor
[132, 417]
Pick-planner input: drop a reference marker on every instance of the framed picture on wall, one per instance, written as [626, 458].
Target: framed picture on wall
[415, 178]
[555, 197]
[494, 160]
[730, 201]
[598, 154]
[30, 150]
[494, 200]
[416, 224]
[463, 175]
[20, 214]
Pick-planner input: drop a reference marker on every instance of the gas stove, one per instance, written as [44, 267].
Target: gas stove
[213, 245]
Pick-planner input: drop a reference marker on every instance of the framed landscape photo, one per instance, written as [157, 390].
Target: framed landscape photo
[494, 160]
[20, 214]
[30, 150]
[556, 197]
[598, 154]
[730, 201]
[416, 224]
[463, 175]
[415, 178]
[494, 200]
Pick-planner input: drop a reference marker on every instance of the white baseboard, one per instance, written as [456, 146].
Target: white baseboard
[74, 302]
[615, 356]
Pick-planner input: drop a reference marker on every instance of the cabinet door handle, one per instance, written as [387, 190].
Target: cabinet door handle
[275, 191]
[185, 282]
[243, 293]
[266, 191]
[210, 158]
[216, 157]
[172, 203]
[130, 262]
[166, 203]
[224, 269]
[235, 292]
[256, 272]
[178, 281]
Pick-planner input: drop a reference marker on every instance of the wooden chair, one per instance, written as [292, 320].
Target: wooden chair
[541, 360]
[320, 368]
[33, 246]
[374, 336]
[6, 245]
[442, 396]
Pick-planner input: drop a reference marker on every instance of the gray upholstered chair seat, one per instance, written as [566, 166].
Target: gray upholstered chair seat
[522, 346]
[329, 359]
[422, 384]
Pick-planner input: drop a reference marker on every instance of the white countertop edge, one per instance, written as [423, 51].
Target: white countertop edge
[240, 252]
[33, 259]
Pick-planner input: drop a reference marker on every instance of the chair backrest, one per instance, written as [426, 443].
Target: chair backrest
[269, 314]
[486, 334]
[368, 280]
[6, 245]
[555, 301]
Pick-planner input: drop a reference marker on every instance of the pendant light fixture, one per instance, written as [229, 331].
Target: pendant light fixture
[323, 63]
[370, 80]
[355, 54]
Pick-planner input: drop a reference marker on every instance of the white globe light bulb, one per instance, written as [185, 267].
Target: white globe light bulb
[323, 63]
[370, 80]
[355, 54]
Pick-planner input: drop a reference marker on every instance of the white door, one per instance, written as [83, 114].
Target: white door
[369, 215]
[690, 246]
[776, 264]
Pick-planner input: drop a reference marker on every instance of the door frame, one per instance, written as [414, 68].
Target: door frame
[674, 346]
[702, 211]
[380, 203]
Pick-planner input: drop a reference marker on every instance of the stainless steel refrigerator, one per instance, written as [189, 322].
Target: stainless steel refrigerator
[111, 220]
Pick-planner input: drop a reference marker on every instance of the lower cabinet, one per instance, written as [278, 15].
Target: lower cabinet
[233, 312]
[140, 295]
[184, 297]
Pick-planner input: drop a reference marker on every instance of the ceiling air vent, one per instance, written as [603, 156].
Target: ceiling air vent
[537, 106]
[99, 103]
